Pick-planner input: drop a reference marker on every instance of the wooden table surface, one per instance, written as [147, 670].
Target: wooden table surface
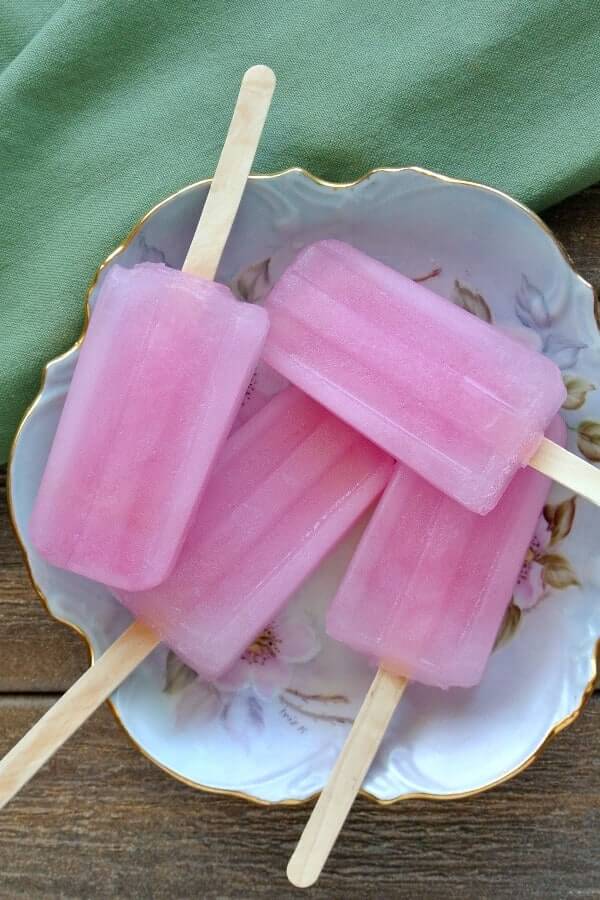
[101, 821]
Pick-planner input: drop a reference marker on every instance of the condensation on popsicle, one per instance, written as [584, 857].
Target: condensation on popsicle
[427, 588]
[455, 399]
[287, 486]
[160, 376]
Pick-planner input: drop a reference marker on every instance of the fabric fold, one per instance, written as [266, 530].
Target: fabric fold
[106, 107]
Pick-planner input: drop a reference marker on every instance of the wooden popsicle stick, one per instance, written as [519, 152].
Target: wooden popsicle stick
[232, 172]
[337, 797]
[74, 707]
[113, 667]
[568, 469]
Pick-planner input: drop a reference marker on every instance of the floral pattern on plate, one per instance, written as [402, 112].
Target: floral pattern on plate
[271, 730]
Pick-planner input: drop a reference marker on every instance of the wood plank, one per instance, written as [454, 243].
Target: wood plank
[36, 653]
[576, 223]
[101, 821]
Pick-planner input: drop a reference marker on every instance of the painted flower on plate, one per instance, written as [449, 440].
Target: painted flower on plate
[238, 697]
[267, 664]
[543, 567]
[530, 584]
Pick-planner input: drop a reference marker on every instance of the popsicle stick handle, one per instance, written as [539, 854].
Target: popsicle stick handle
[333, 806]
[232, 172]
[86, 695]
[568, 469]
[74, 707]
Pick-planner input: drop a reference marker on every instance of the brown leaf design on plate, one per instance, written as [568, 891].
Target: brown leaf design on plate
[511, 619]
[177, 674]
[560, 518]
[557, 571]
[433, 274]
[577, 391]
[588, 439]
[253, 283]
[321, 698]
[471, 301]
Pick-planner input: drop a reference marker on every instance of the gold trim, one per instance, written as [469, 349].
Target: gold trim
[552, 733]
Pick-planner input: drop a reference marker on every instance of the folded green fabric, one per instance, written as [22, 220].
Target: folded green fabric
[106, 107]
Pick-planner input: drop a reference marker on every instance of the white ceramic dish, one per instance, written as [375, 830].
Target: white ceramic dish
[271, 732]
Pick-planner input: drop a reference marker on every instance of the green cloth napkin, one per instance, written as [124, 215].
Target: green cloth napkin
[106, 107]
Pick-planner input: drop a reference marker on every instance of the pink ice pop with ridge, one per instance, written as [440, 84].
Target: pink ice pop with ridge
[452, 397]
[160, 376]
[287, 485]
[430, 581]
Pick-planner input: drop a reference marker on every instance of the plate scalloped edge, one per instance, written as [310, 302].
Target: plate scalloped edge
[553, 732]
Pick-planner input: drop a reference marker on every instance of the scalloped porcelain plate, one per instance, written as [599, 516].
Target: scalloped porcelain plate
[271, 731]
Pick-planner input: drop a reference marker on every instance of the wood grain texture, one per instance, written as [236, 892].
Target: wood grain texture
[101, 821]
[36, 654]
[73, 708]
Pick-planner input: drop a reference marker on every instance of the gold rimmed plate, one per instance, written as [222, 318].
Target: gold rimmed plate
[272, 730]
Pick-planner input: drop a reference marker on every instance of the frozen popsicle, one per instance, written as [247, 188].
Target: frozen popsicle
[160, 376]
[423, 597]
[426, 591]
[136, 642]
[287, 485]
[458, 401]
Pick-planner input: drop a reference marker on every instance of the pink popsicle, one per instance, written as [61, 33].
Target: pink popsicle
[286, 487]
[424, 596]
[447, 394]
[160, 376]
[427, 588]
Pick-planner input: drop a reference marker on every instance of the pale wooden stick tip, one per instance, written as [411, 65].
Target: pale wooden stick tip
[261, 75]
[568, 469]
[298, 876]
